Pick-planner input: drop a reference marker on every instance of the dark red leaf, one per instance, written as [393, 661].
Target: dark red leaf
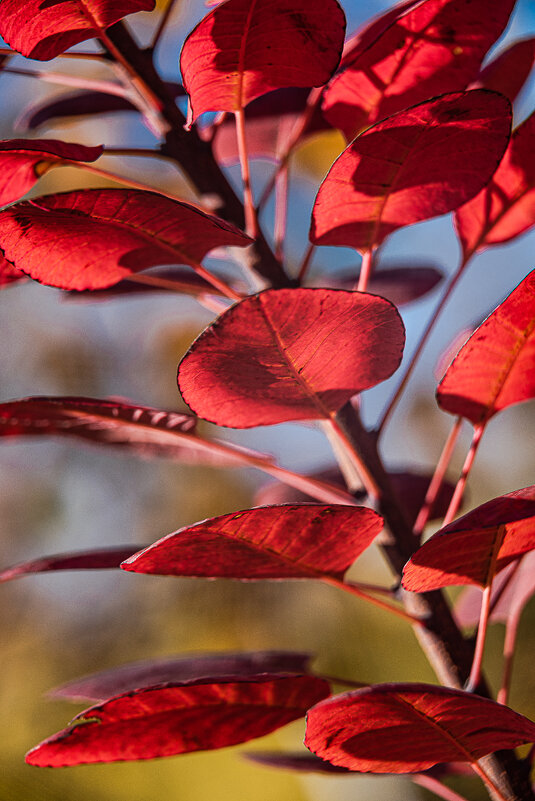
[24, 161]
[97, 559]
[136, 675]
[290, 354]
[508, 72]
[506, 207]
[271, 542]
[419, 163]
[180, 718]
[79, 104]
[43, 30]
[246, 48]
[93, 238]
[302, 763]
[270, 122]
[476, 546]
[434, 48]
[407, 728]
[512, 600]
[9, 274]
[496, 367]
[400, 284]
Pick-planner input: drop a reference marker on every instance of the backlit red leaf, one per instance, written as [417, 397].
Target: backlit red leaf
[508, 72]
[134, 676]
[290, 354]
[506, 207]
[97, 559]
[431, 49]
[180, 718]
[476, 546]
[24, 161]
[246, 48]
[43, 30]
[496, 367]
[419, 163]
[93, 238]
[271, 542]
[407, 728]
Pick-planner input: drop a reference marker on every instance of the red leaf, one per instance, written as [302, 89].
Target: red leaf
[290, 354]
[434, 48]
[496, 367]
[180, 718]
[246, 48]
[43, 30]
[93, 238]
[98, 559]
[271, 542]
[24, 161]
[419, 163]
[407, 728]
[506, 207]
[399, 284]
[476, 546]
[508, 72]
[9, 274]
[134, 676]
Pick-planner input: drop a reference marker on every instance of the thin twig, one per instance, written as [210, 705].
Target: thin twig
[209, 302]
[355, 590]
[281, 213]
[436, 787]
[491, 784]
[251, 222]
[164, 19]
[369, 483]
[108, 87]
[459, 487]
[305, 264]
[6, 51]
[365, 271]
[475, 672]
[509, 644]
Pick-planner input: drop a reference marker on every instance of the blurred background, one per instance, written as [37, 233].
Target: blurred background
[57, 496]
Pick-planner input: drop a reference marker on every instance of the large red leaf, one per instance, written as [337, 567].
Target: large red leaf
[97, 559]
[506, 207]
[431, 49]
[419, 163]
[476, 546]
[508, 72]
[496, 367]
[245, 48]
[407, 728]
[133, 676]
[270, 542]
[93, 238]
[23, 161]
[290, 354]
[180, 718]
[43, 30]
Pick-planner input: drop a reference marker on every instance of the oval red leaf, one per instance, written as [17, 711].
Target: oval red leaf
[476, 546]
[93, 238]
[508, 72]
[246, 48]
[496, 367]
[24, 161]
[271, 542]
[419, 163]
[506, 207]
[290, 354]
[178, 719]
[407, 728]
[97, 559]
[434, 48]
[100, 686]
[43, 30]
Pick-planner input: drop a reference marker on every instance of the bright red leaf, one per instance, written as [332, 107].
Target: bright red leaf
[96, 559]
[506, 207]
[180, 718]
[433, 48]
[508, 72]
[476, 546]
[271, 542]
[125, 678]
[496, 367]
[419, 163]
[43, 30]
[24, 161]
[407, 728]
[93, 238]
[400, 283]
[290, 354]
[246, 48]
